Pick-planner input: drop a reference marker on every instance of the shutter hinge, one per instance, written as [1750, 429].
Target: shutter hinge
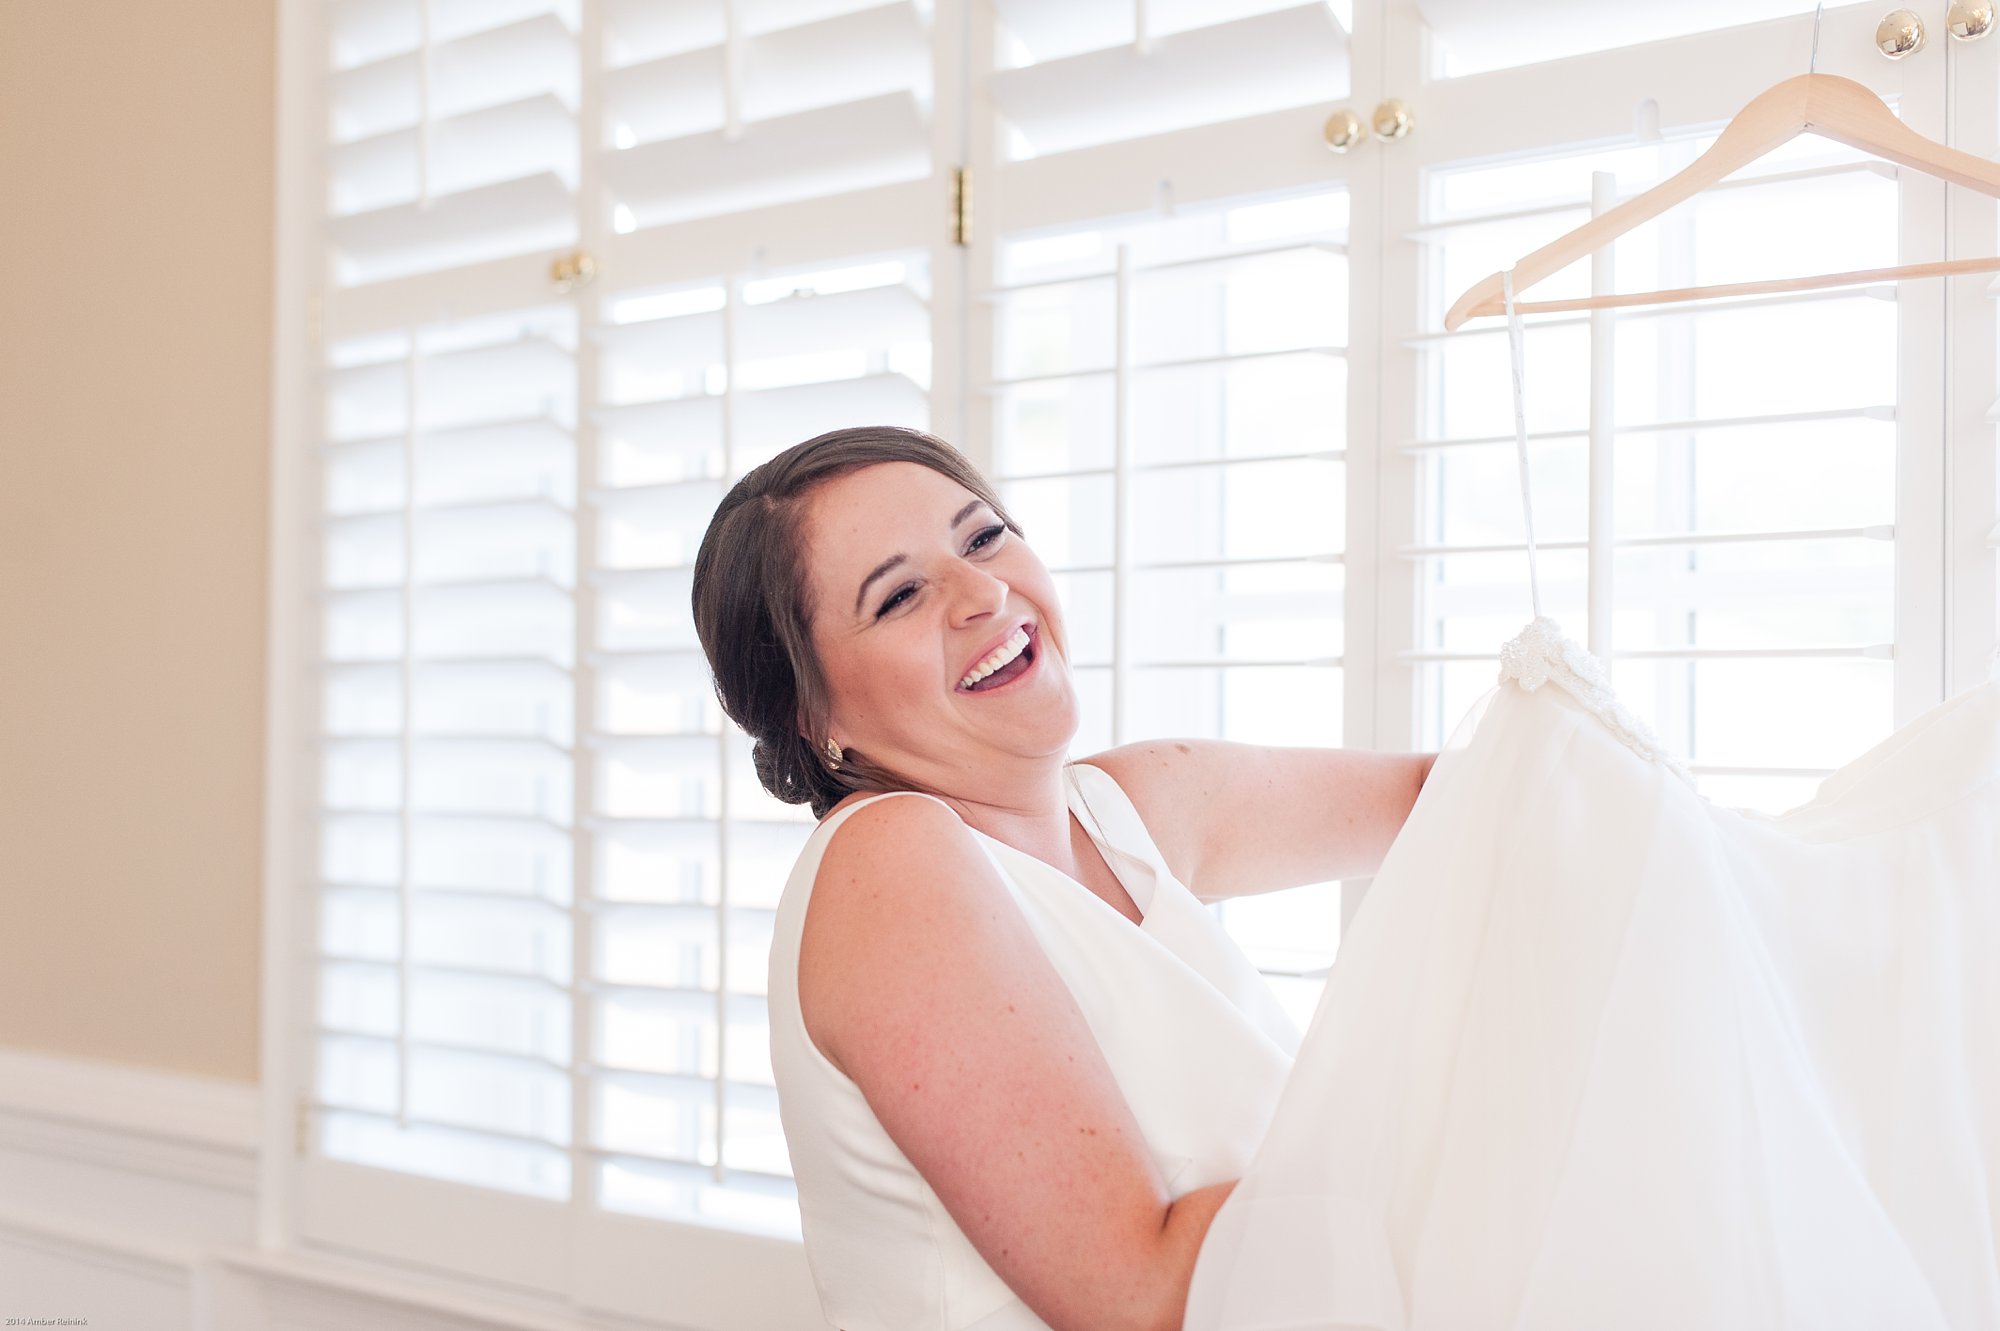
[961, 206]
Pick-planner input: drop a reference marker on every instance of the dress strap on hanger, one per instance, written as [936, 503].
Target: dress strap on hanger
[1540, 654]
[1517, 353]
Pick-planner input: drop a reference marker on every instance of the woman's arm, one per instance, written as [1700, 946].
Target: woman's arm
[922, 981]
[1237, 818]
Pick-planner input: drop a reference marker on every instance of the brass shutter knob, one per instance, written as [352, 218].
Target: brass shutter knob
[1969, 20]
[572, 270]
[1343, 130]
[1392, 120]
[1901, 33]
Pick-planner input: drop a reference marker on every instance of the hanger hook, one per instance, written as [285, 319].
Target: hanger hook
[1812, 62]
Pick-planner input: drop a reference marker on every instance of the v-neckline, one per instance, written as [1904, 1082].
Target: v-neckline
[1093, 831]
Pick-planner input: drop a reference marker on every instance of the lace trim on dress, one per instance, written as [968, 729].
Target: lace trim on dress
[1541, 654]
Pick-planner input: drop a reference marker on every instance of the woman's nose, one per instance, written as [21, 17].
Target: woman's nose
[979, 594]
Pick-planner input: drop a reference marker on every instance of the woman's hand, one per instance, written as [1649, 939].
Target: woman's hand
[1233, 818]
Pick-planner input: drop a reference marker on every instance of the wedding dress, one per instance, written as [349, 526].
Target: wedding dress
[1599, 1055]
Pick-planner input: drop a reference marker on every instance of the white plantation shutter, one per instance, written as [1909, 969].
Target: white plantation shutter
[543, 876]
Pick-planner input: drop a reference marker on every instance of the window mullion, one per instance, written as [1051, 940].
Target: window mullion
[591, 231]
[731, 299]
[406, 827]
[1922, 417]
[1972, 489]
[1121, 497]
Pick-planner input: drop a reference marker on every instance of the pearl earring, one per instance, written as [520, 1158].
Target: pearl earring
[834, 752]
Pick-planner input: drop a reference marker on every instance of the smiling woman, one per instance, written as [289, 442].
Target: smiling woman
[1019, 1065]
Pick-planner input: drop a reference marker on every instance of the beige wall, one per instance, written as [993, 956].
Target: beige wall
[136, 140]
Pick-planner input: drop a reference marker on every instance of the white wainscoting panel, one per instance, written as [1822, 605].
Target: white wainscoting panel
[128, 1196]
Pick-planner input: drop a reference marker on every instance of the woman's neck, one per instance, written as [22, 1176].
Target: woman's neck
[1030, 814]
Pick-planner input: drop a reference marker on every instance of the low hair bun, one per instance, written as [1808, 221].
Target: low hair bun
[764, 758]
[786, 768]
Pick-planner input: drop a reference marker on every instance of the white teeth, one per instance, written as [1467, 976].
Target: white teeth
[1002, 654]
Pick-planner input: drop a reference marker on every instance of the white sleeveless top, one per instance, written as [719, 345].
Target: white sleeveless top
[1192, 1034]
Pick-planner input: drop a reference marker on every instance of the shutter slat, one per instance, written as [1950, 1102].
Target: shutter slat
[1221, 261]
[669, 96]
[502, 64]
[1266, 62]
[686, 341]
[1479, 36]
[644, 29]
[446, 1128]
[1874, 413]
[797, 326]
[500, 1057]
[1051, 29]
[748, 1008]
[842, 58]
[686, 1088]
[470, 975]
[533, 212]
[746, 1180]
[465, 151]
[451, 893]
[680, 427]
[1874, 533]
[801, 325]
[775, 418]
[879, 141]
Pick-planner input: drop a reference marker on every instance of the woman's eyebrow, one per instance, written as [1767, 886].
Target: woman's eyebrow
[894, 560]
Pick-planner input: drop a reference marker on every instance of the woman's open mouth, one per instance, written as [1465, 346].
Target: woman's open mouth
[1015, 669]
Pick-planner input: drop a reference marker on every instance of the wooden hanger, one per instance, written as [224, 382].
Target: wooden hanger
[1834, 107]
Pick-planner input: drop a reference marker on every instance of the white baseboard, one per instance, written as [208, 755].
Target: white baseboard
[328, 1291]
[148, 1259]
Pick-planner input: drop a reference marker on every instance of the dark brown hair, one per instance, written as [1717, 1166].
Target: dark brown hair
[753, 609]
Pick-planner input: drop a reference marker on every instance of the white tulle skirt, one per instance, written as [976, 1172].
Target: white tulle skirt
[1598, 1055]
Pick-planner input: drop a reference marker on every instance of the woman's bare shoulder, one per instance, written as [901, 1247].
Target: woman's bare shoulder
[1166, 783]
[887, 874]
[919, 808]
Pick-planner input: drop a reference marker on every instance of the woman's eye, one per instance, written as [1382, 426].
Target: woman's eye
[979, 542]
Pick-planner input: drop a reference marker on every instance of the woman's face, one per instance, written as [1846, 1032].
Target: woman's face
[915, 582]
